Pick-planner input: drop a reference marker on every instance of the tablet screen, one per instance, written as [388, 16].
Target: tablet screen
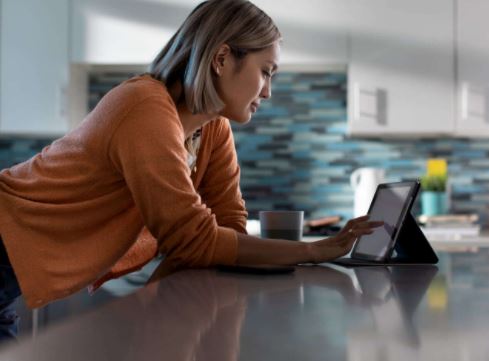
[390, 203]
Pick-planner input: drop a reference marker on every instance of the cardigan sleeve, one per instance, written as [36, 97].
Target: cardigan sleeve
[147, 148]
[219, 188]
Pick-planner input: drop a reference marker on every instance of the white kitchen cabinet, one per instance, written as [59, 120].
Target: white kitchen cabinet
[315, 32]
[122, 31]
[401, 68]
[134, 31]
[472, 115]
[33, 66]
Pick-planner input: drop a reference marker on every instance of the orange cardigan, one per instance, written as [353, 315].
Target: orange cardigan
[72, 214]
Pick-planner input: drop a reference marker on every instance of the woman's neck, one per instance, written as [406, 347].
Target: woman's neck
[190, 122]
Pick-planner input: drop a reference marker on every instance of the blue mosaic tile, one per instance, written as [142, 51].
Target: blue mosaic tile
[470, 188]
[345, 146]
[470, 154]
[295, 153]
[337, 129]
[480, 145]
[299, 127]
[256, 156]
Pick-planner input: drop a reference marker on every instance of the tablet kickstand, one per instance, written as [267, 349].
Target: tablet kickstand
[412, 245]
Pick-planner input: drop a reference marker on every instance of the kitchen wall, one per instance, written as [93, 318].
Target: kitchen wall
[295, 153]
[16, 149]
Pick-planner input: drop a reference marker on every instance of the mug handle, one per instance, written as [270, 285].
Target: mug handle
[355, 178]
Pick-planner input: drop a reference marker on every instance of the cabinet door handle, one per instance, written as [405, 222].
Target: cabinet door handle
[377, 104]
[474, 102]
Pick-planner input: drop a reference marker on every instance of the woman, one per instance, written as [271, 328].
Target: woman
[153, 169]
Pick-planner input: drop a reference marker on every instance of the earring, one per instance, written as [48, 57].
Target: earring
[218, 70]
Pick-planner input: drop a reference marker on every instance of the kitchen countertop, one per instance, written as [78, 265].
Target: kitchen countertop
[317, 313]
[439, 243]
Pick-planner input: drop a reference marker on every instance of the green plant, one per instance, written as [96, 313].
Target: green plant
[434, 183]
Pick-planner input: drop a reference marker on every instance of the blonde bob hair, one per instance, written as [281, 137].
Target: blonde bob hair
[188, 56]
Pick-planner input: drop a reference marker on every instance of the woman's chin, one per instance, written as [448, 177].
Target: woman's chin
[238, 118]
[243, 120]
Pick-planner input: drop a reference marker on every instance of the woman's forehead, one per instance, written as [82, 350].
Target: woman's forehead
[270, 55]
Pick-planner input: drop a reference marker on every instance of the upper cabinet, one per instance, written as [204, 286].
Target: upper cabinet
[401, 68]
[123, 31]
[33, 66]
[315, 32]
[472, 111]
[133, 32]
[415, 68]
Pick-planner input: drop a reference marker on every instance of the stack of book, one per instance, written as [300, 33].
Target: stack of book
[450, 226]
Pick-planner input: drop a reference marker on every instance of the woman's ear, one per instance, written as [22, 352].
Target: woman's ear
[221, 59]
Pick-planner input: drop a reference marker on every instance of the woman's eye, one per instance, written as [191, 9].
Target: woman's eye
[267, 74]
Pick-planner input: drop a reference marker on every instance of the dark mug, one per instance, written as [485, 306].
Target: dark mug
[282, 224]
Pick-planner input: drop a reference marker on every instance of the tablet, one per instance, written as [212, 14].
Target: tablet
[391, 204]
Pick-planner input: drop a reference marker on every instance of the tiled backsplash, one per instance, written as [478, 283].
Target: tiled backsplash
[15, 149]
[295, 153]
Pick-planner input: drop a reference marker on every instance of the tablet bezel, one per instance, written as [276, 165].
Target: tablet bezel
[408, 204]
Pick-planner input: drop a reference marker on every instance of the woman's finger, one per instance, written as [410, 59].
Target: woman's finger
[360, 219]
[370, 224]
[362, 231]
[352, 222]
[357, 220]
[354, 230]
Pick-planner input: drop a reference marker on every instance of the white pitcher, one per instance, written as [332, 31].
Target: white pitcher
[364, 182]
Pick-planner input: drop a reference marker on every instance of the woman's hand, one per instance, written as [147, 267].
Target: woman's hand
[339, 245]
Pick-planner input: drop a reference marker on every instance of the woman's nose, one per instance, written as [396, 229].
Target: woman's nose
[266, 91]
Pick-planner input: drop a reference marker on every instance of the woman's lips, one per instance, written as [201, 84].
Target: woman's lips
[254, 107]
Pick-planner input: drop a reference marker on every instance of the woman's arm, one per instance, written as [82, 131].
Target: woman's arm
[254, 250]
[147, 148]
[219, 187]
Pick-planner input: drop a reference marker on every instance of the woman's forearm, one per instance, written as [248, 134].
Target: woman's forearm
[254, 250]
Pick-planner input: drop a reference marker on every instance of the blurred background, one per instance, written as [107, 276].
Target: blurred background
[363, 84]
[368, 91]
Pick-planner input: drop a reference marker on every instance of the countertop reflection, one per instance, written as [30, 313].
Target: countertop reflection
[317, 313]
